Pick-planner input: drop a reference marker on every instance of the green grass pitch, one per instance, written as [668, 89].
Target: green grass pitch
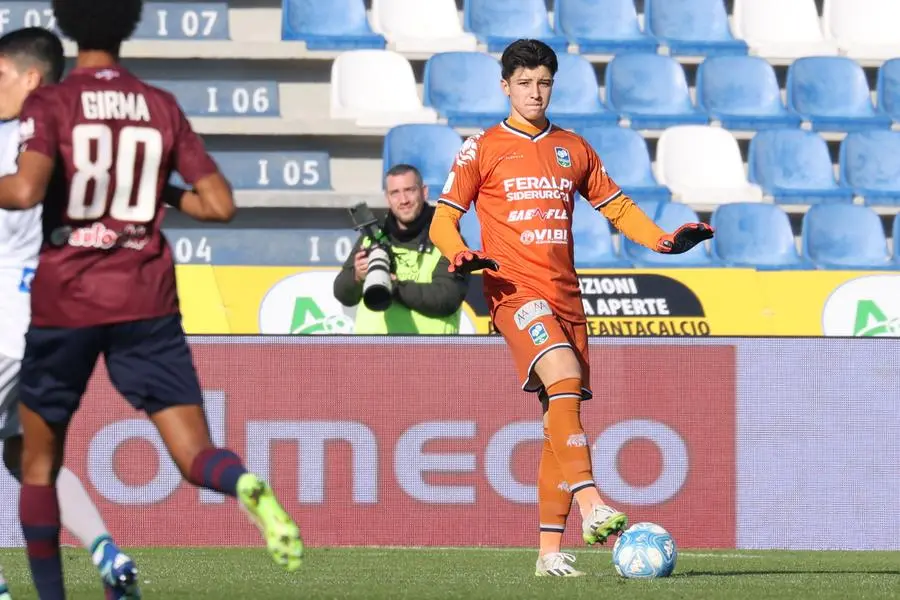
[473, 573]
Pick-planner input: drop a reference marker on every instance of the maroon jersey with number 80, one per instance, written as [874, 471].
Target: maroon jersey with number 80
[116, 141]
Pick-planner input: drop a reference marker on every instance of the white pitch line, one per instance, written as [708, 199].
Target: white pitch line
[690, 553]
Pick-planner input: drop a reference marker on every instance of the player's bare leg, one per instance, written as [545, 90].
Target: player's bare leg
[42, 455]
[560, 372]
[186, 434]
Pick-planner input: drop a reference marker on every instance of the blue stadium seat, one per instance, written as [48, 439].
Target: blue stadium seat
[794, 166]
[470, 229]
[692, 27]
[895, 236]
[430, 148]
[464, 87]
[832, 93]
[331, 25]
[576, 95]
[498, 23]
[742, 93]
[754, 235]
[602, 26]
[870, 166]
[669, 216]
[594, 247]
[888, 89]
[651, 91]
[626, 157]
[844, 237]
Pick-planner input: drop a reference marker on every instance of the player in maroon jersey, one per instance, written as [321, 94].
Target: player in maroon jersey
[98, 150]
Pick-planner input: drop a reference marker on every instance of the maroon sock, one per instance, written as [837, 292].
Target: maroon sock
[217, 469]
[39, 514]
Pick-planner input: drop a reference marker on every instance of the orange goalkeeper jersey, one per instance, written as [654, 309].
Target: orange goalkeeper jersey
[523, 184]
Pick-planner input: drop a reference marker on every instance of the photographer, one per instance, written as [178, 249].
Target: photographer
[419, 295]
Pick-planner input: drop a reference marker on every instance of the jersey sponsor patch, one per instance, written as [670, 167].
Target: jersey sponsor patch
[562, 157]
[27, 278]
[538, 334]
[530, 311]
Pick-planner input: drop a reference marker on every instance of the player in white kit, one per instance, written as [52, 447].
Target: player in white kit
[30, 58]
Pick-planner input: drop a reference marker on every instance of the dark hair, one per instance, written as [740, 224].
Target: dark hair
[403, 169]
[35, 47]
[529, 54]
[98, 24]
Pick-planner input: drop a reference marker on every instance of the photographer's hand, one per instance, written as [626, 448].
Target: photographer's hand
[360, 266]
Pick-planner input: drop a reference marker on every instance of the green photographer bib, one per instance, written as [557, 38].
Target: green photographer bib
[411, 266]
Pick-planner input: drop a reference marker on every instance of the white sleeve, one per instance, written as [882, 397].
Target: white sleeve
[9, 147]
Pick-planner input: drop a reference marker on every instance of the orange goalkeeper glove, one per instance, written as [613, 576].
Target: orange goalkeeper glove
[471, 260]
[684, 238]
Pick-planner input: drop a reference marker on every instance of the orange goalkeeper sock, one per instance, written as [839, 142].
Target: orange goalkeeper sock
[554, 497]
[568, 441]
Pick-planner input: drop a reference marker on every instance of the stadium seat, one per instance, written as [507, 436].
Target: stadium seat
[594, 246]
[669, 216]
[783, 29]
[576, 95]
[794, 167]
[602, 26]
[498, 23]
[429, 148]
[692, 27]
[470, 229]
[844, 237]
[754, 235]
[703, 165]
[331, 25]
[870, 166]
[864, 29]
[416, 26]
[377, 88]
[832, 94]
[627, 160]
[888, 89]
[742, 92]
[650, 91]
[465, 88]
[895, 237]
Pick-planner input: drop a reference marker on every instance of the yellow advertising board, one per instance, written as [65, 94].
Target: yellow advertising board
[634, 302]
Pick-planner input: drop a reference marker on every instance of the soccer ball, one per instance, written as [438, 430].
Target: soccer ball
[644, 551]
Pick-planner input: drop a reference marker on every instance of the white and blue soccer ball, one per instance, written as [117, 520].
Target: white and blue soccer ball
[645, 551]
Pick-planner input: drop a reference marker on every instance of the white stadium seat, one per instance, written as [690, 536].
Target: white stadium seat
[703, 165]
[864, 29]
[376, 88]
[421, 25]
[782, 29]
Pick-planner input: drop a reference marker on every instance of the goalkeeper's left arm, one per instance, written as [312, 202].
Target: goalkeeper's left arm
[627, 217]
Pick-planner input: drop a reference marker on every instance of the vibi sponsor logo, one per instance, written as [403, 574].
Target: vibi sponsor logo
[538, 188]
[551, 214]
[864, 307]
[544, 236]
[101, 237]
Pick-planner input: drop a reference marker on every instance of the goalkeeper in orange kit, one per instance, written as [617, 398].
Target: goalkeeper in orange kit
[522, 176]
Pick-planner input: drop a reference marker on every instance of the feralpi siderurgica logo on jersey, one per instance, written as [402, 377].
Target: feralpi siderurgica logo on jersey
[864, 307]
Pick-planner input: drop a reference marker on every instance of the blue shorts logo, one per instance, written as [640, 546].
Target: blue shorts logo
[538, 334]
[27, 278]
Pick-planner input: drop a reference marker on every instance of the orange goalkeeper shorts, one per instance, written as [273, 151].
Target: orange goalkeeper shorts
[531, 330]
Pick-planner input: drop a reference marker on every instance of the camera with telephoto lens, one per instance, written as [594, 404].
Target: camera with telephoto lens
[378, 289]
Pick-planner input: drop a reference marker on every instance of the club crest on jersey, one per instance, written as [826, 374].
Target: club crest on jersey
[562, 157]
[538, 334]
